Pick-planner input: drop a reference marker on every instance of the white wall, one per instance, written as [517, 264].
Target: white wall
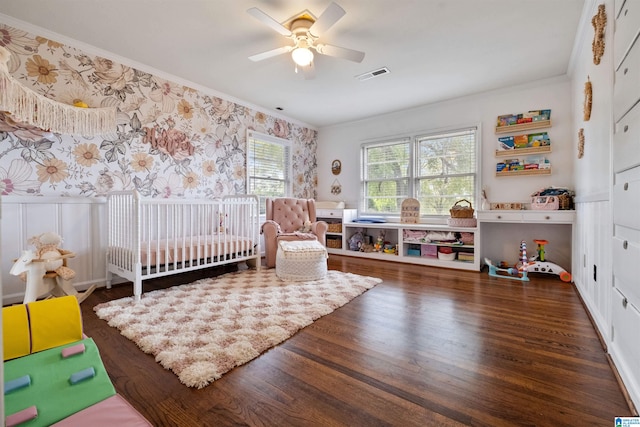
[343, 141]
[501, 244]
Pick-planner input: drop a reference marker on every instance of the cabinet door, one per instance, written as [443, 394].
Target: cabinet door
[627, 24]
[625, 350]
[626, 255]
[626, 141]
[626, 89]
[626, 198]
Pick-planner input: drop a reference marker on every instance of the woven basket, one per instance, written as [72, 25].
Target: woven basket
[334, 227]
[458, 211]
[334, 243]
[565, 201]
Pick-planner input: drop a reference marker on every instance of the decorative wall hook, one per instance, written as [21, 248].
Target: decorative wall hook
[336, 167]
[336, 187]
[599, 22]
[588, 95]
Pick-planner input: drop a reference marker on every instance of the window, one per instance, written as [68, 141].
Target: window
[437, 169]
[387, 171]
[268, 167]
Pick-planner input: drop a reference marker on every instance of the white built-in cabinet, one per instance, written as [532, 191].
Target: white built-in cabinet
[625, 313]
[335, 219]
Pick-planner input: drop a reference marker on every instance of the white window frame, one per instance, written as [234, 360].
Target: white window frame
[252, 173]
[366, 180]
[413, 142]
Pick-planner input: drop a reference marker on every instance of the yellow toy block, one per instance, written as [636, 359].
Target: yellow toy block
[15, 331]
[54, 322]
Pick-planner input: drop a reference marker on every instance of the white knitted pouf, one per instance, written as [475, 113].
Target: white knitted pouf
[301, 260]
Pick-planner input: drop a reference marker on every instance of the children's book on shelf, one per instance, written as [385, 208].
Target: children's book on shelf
[528, 117]
[527, 163]
[540, 139]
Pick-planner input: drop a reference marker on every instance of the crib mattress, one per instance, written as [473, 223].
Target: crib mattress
[164, 251]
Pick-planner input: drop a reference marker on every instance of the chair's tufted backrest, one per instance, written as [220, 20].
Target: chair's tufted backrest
[291, 213]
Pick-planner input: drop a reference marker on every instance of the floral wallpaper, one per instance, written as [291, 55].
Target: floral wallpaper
[171, 140]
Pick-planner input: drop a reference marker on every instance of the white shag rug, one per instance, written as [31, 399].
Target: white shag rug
[204, 329]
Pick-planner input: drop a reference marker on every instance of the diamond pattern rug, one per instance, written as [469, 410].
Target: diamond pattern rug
[204, 329]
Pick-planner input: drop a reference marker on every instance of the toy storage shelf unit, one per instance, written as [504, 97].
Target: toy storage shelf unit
[335, 219]
[407, 241]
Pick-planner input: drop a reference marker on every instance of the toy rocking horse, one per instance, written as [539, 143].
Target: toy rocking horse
[45, 270]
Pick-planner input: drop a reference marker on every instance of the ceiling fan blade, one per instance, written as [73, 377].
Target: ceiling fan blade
[269, 21]
[340, 52]
[270, 53]
[330, 16]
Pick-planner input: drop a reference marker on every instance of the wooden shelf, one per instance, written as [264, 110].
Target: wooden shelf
[525, 172]
[524, 126]
[523, 151]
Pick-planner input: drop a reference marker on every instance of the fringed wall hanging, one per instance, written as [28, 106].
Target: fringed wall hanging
[581, 143]
[29, 107]
[588, 95]
[599, 22]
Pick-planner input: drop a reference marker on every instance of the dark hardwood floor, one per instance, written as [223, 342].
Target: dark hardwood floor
[427, 347]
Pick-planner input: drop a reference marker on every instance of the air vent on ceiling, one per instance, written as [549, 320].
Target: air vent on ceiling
[372, 74]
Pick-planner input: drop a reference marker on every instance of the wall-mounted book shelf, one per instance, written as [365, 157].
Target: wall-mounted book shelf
[525, 172]
[523, 151]
[524, 127]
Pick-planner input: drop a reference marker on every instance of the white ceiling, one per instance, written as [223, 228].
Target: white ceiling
[435, 49]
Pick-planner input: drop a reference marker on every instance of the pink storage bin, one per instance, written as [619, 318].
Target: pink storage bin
[545, 203]
[429, 251]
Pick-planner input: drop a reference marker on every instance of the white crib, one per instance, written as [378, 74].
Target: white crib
[150, 238]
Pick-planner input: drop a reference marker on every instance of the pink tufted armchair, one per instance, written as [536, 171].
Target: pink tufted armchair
[285, 220]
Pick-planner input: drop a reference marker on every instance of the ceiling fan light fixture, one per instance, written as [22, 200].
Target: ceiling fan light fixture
[302, 56]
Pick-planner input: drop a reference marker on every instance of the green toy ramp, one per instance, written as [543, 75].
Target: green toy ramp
[51, 391]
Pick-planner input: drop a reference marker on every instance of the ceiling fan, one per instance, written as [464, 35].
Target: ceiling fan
[304, 30]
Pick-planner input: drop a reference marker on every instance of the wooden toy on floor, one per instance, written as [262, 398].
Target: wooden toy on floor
[536, 264]
[540, 265]
[515, 273]
[45, 270]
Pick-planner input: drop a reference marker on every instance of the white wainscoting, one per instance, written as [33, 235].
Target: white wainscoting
[80, 221]
[592, 247]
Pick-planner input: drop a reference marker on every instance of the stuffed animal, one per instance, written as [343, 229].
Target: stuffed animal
[366, 247]
[48, 250]
[306, 228]
[356, 240]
